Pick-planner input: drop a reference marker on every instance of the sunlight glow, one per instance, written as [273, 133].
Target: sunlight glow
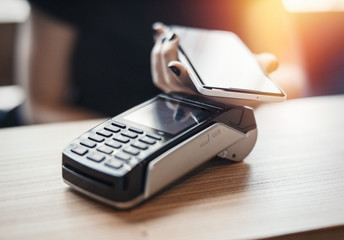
[314, 5]
[14, 10]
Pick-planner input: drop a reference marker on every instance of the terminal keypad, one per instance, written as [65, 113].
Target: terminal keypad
[115, 144]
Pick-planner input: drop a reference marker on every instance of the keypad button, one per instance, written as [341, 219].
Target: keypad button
[97, 157]
[135, 130]
[112, 128]
[105, 149]
[147, 140]
[123, 156]
[131, 150]
[113, 144]
[104, 133]
[117, 124]
[79, 150]
[129, 134]
[156, 137]
[121, 139]
[140, 145]
[113, 163]
[88, 143]
[96, 138]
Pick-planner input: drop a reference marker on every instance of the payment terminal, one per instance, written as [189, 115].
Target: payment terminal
[131, 157]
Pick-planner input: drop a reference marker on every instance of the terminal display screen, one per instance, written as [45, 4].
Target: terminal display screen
[168, 116]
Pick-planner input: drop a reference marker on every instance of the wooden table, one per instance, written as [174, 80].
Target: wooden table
[290, 187]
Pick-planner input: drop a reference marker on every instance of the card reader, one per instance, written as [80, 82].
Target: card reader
[131, 157]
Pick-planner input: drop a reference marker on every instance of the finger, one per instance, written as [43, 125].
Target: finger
[169, 53]
[267, 61]
[157, 66]
[181, 73]
[158, 30]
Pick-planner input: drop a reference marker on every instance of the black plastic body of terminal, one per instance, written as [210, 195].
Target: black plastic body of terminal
[126, 186]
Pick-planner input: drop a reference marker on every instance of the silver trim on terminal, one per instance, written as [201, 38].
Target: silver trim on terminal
[120, 205]
[238, 151]
[189, 154]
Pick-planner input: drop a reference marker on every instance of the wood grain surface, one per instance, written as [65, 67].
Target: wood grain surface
[291, 186]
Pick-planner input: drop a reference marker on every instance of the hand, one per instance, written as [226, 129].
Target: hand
[170, 75]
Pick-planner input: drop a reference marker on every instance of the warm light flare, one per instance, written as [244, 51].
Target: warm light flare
[314, 5]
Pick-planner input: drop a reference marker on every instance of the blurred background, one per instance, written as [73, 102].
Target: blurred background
[306, 36]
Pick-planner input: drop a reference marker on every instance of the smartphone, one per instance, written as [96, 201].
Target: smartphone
[221, 65]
